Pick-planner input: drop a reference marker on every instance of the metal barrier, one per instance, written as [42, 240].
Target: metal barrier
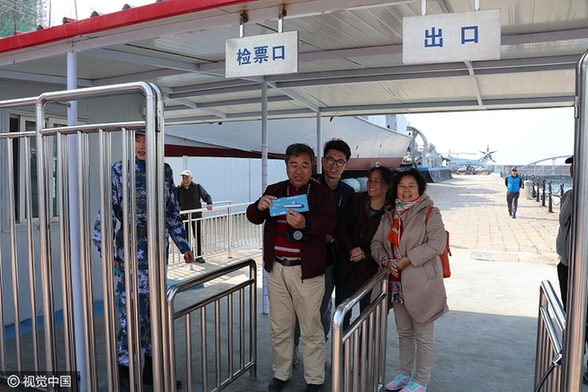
[223, 229]
[550, 329]
[49, 224]
[359, 352]
[230, 324]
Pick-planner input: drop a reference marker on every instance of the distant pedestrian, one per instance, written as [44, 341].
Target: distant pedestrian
[190, 194]
[513, 184]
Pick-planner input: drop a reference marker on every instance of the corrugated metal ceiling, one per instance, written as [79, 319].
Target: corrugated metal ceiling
[350, 60]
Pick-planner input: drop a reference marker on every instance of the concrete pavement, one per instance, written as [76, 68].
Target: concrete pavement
[487, 341]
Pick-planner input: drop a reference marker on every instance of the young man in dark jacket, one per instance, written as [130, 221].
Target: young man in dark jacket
[295, 258]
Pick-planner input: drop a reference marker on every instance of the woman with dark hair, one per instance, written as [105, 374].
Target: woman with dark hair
[408, 244]
[354, 264]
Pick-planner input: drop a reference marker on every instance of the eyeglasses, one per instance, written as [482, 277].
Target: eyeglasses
[332, 161]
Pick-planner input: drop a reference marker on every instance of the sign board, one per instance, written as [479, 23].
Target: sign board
[468, 36]
[269, 54]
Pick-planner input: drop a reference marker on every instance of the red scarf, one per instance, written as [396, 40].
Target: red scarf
[394, 237]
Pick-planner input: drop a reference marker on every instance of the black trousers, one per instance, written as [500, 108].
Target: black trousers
[197, 234]
[562, 275]
[512, 199]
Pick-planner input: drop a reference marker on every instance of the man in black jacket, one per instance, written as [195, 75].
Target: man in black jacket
[190, 195]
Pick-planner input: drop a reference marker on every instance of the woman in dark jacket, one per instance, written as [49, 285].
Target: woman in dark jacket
[355, 265]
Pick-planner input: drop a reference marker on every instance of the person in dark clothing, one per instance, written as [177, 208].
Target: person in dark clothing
[190, 195]
[173, 228]
[336, 154]
[295, 258]
[563, 247]
[514, 184]
[354, 264]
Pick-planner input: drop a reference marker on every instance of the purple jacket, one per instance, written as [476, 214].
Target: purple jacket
[320, 221]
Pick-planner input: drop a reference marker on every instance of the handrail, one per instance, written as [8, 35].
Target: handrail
[246, 323]
[364, 342]
[550, 329]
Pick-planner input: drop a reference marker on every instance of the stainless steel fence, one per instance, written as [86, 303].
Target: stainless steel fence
[51, 281]
[224, 229]
[359, 351]
[231, 336]
[550, 329]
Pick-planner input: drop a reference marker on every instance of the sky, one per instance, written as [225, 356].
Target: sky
[518, 136]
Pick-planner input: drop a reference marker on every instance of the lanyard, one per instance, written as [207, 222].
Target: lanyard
[307, 190]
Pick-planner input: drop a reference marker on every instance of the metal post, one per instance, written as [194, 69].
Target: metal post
[550, 204]
[74, 230]
[543, 195]
[230, 218]
[264, 147]
[319, 143]
[578, 274]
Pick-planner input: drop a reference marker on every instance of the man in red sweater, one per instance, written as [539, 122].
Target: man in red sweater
[295, 258]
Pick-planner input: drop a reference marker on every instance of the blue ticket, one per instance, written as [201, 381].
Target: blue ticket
[298, 203]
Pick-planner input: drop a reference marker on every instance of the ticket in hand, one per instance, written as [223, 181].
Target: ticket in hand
[298, 203]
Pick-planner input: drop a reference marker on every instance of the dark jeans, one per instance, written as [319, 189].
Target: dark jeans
[196, 233]
[512, 199]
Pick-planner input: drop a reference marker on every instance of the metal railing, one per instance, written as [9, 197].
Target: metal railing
[550, 329]
[223, 229]
[73, 170]
[232, 335]
[359, 351]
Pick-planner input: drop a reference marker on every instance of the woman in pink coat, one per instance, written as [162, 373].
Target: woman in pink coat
[408, 245]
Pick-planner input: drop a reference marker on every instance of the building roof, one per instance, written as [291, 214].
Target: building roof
[350, 57]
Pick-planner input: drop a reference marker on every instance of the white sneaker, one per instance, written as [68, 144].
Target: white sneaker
[399, 382]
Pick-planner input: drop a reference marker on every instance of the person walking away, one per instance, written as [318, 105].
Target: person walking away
[514, 184]
[409, 246]
[355, 265]
[336, 154]
[295, 259]
[190, 196]
[173, 228]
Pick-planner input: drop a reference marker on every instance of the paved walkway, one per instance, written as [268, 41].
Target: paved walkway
[487, 341]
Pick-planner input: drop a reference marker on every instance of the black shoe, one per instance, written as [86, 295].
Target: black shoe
[123, 378]
[200, 260]
[276, 385]
[585, 377]
[314, 388]
[148, 373]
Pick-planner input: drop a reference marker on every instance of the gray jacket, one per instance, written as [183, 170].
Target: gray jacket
[563, 241]
[422, 280]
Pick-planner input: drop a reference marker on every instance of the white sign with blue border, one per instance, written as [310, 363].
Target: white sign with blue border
[469, 36]
[269, 54]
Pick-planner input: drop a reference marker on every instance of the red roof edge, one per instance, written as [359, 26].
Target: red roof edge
[137, 15]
